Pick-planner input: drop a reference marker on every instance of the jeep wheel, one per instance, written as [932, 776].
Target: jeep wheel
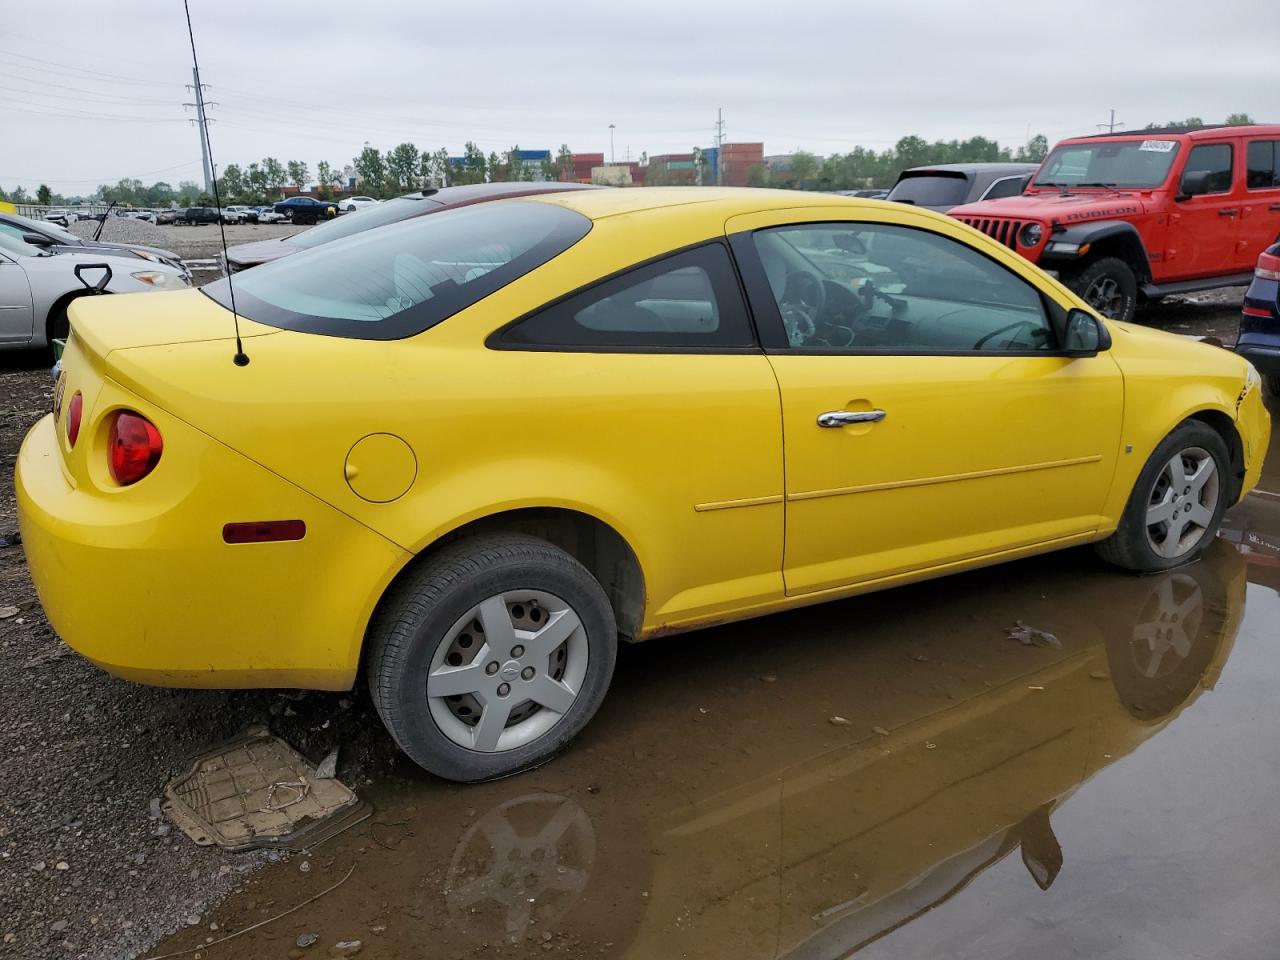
[491, 656]
[1109, 286]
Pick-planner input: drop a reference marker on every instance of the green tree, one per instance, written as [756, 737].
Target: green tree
[1189, 122]
[275, 173]
[372, 170]
[472, 168]
[1034, 151]
[758, 175]
[256, 182]
[515, 166]
[804, 167]
[324, 174]
[231, 184]
[1239, 120]
[443, 168]
[402, 167]
[298, 174]
[19, 195]
[187, 192]
[44, 195]
[494, 171]
[564, 163]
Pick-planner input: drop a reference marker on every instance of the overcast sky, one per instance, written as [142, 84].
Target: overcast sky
[92, 92]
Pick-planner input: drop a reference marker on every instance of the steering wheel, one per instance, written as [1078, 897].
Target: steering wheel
[982, 341]
[803, 297]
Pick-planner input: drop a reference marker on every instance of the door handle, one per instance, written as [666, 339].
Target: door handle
[1274, 208]
[842, 418]
[1228, 213]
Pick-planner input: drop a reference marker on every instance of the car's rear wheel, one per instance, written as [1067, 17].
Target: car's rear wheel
[490, 657]
[1109, 286]
[1177, 504]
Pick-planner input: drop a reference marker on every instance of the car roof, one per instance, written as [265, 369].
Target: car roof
[985, 167]
[728, 201]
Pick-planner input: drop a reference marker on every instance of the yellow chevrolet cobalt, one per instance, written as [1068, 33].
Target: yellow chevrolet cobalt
[471, 453]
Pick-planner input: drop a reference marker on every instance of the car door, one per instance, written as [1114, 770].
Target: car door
[1260, 211]
[928, 416]
[16, 311]
[1205, 226]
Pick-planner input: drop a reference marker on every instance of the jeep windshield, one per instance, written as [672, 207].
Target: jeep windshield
[1123, 163]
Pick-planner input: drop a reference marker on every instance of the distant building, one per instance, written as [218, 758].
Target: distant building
[534, 162]
[583, 164]
[612, 175]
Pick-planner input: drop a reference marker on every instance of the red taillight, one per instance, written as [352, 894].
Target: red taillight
[1268, 267]
[75, 409]
[1256, 311]
[135, 447]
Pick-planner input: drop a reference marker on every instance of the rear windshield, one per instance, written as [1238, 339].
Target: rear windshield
[401, 279]
[393, 211]
[1123, 163]
[938, 189]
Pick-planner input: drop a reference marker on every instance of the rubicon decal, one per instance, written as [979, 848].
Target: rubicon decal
[1125, 211]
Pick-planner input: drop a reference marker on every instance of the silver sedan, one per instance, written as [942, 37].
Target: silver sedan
[37, 283]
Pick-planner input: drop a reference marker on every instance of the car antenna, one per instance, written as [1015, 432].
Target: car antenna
[241, 358]
[103, 222]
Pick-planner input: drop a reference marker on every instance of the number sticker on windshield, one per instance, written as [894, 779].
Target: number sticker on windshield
[1158, 146]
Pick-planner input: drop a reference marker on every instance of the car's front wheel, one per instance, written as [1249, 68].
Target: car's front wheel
[1109, 286]
[1177, 504]
[491, 656]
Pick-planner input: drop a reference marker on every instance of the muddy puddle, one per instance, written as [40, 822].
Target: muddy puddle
[1108, 796]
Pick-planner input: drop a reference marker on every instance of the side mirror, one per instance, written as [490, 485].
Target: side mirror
[37, 240]
[1194, 183]
[1081, 334]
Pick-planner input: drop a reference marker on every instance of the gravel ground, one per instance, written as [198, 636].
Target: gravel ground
[191, 243]
[85, 870]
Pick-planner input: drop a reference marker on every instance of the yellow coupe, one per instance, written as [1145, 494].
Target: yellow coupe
[470, 452]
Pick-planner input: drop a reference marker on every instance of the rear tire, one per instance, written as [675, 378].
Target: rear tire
[1176, 505]
[1108, 286]
[516, 639]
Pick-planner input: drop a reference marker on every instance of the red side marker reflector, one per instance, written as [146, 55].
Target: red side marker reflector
[264, 531]
[1256, 312]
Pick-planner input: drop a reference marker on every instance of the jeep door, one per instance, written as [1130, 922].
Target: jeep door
[1206, 227]
[1260, 209]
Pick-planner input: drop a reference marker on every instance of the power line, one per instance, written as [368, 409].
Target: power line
[64, 68]
[79, 115]
[136, 176]
[1111, 124]
[80, 96]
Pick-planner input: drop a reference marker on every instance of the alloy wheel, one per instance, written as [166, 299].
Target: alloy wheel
[1183, 502]
[1105, 296]
[507, 671]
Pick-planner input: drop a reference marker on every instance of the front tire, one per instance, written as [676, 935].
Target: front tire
[491, 656]
[1109, 286]
[1176, 506]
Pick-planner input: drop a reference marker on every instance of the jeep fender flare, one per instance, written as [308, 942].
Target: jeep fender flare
[1114, 238]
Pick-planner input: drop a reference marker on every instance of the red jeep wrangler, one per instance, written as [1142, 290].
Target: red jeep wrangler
[1147, 214]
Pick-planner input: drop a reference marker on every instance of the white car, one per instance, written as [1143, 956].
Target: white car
[63, 218]
[352, 204]
[267, 215]
[234, 214]
[39, 281]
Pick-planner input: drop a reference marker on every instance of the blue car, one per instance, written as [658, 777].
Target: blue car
[306, 209]
[1259, 341]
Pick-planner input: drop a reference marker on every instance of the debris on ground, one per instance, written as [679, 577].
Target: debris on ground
[1031, 636]
[7, 612]
[839, 721]
[10, 539]
[306, 939]
[257, 791]
[346, 948]
[327, 769]
[880, 730]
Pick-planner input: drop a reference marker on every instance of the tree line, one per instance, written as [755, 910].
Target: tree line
[405, 167]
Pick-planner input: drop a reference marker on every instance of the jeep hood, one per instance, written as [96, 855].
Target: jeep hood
[1050, 206]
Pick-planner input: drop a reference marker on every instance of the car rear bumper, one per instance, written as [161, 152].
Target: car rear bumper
[139, 580]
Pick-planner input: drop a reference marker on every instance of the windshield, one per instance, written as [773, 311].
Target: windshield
[1125, 163]
[44, 227]
[404, 278]
[934, 189]
[392, 211]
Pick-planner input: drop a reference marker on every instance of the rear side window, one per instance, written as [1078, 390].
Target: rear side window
[1264, 164]
[403, 278]
[1005, 187]
[1215, 160]
[936, 189]
[688, 300]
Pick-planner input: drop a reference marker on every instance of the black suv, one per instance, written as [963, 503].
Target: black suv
[195, 215]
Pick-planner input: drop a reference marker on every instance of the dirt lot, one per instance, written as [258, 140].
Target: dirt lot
[87, 870]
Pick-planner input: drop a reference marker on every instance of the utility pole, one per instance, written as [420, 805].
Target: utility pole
[719, 143]
[1111, 124]
[611, 156]
[202, 125]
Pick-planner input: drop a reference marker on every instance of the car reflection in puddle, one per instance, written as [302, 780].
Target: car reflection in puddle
[713, 810]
